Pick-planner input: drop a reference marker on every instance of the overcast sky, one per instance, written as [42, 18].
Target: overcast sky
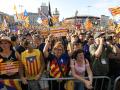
[67, 8]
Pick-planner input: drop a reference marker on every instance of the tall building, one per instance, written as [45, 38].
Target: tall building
[56, 16]
[56, 12]
[43, 11]
[104, 21]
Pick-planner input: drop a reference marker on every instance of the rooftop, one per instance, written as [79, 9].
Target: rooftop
[83, 16]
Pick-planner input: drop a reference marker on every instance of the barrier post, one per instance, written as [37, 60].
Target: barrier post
[115, 83]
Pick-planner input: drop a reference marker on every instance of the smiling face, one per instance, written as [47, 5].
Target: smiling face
[5, 44]
[58, 51]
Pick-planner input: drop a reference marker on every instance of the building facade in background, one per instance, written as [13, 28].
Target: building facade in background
[32, 18]
[79, 21]
[6, 18]
[44, 14]
[43, 11]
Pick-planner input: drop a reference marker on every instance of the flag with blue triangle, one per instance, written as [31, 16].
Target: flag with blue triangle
[25, 13]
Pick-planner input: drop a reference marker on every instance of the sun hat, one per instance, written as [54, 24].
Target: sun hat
[98, 34]
[5, 38]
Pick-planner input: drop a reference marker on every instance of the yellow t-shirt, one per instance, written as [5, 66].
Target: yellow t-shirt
[31, 62]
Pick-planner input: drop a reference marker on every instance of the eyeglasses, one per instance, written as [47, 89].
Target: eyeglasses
[57, 49]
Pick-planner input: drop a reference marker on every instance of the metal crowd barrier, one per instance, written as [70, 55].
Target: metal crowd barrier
[117, 84]
[99, 82]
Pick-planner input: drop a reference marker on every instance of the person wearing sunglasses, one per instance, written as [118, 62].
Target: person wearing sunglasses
[58, 64]
[33, 64]
[9, 59]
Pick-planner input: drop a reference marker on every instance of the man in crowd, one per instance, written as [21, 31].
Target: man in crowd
[100, 62]
[33, 64]
[99, 52]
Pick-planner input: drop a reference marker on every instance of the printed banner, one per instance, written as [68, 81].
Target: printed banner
[56, 33]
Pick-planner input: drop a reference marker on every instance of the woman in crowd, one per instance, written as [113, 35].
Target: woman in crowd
[73, 44]
[58, 64]
[9, 59]
[9, 64]
[78, 67]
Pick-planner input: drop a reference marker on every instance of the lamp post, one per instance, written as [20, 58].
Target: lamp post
[21, 10]
[88, 8]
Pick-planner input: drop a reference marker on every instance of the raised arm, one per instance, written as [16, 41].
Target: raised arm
[47, 46]
[97, 51]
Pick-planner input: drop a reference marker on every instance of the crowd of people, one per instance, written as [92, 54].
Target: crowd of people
[29, 56]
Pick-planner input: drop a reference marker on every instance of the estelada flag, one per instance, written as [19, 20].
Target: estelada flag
[10, 85]
[25, 14]
[115, 11]
[45, 21]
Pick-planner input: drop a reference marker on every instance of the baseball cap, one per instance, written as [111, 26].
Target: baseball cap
[98, 34]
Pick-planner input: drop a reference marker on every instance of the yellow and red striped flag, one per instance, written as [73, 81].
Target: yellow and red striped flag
[115, 11]
[7, 84]
[55, 19]
[9, 67]
[27, 24]
[88, 24]
[45, 21]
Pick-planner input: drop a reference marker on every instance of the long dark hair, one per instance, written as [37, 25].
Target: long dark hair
[75, 53]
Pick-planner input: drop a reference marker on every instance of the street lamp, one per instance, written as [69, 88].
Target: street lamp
[89, 9]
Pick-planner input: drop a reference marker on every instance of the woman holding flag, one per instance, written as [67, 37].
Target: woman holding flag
[9, 65]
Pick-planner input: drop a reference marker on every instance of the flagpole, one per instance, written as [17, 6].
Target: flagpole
[88, 8]
[21, 10]
[50, 22]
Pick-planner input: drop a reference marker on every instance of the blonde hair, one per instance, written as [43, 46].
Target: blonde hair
[58, 44]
